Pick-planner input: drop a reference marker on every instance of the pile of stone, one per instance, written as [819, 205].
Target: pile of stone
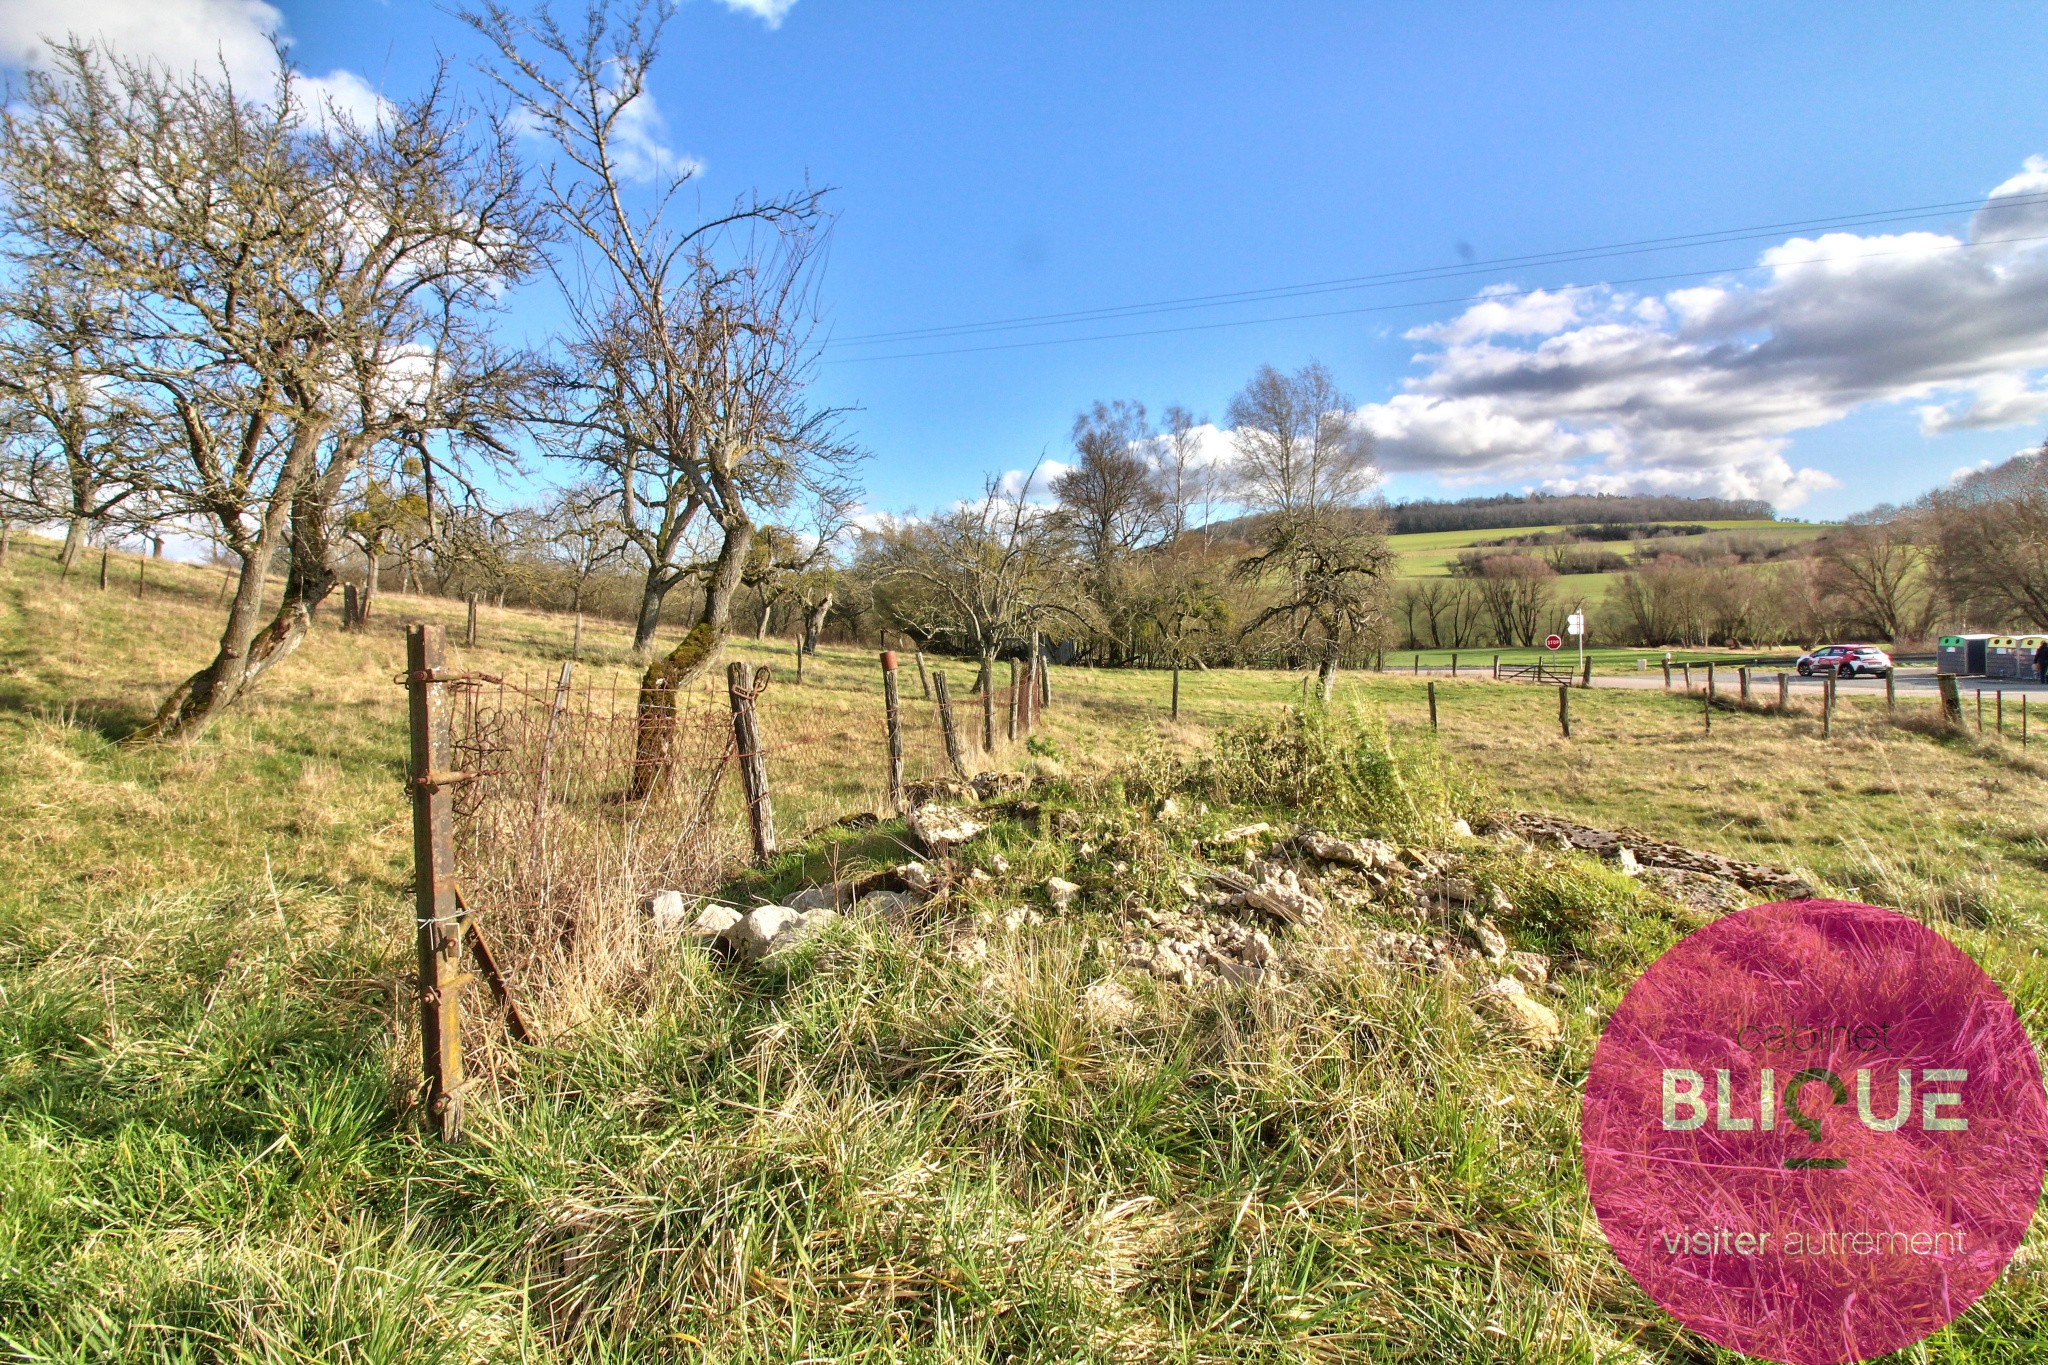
[1185, 945]
[1632, 852]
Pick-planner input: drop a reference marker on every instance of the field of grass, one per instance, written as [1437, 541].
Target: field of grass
[916, 1141]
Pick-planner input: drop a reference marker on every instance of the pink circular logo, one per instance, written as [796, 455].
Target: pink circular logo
[1814, 1131]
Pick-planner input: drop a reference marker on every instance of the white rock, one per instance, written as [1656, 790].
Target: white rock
[1280, 895]
[1462, 828]
[1241, 833]
[757, 931]
[667, 911]
[1488, 936]
[1169, 809]
[1108, 1002]
[921, 880]
[803, 927]
[1060, 892]
[1625, 862]
[713, 922]
[1531, 969]
[940, 828]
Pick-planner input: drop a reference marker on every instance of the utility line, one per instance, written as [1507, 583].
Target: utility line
[1423, 275]
[1391, 307]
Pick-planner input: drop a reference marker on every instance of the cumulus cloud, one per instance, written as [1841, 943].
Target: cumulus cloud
[1033, 483]
[769, 12]
[1700, 390]
[235, 36]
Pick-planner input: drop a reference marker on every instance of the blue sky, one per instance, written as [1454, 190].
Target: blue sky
[1002, 161]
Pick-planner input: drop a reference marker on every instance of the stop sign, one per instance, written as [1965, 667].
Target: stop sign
[1552, 642]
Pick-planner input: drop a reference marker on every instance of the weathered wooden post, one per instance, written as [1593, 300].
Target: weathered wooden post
[1014, 693]
[349, 606]
[1707, 710]
[1827, 707]
[1742, 682]
[892, 707]
[1176, 691]
[988, 708]
[1667, 672]
[103, 568]
[1710, 682]
[437, 917]
[1784, 693]
[1688, 675]
[1432, 704]
[141, 576]
[1454, 663]
[1999, 701]
[924, 681]
[746, 738]
[1496, 668]
[469, 638]
[1585, 673]
[1891, 696]
[1951, 700]
[946, 723]
[1980, 710]
[1044, 677]
[1418, 664]
[1564, 709]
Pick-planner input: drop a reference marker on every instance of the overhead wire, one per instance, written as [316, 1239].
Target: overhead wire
[1385, 279]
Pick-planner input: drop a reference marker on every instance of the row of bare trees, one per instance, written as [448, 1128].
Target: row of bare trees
[253, 318]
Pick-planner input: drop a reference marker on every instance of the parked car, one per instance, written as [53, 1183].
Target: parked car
[1846, 661]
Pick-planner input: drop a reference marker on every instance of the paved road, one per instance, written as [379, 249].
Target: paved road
[1913, 680]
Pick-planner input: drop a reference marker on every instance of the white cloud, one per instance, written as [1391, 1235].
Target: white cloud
[182, 35]
[769, 12]
[1701, 389]
[1048, 472]
[639, 140]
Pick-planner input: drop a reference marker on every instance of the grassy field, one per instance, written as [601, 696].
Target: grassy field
[916, 1142]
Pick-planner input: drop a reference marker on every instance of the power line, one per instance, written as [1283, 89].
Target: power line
[1718, 237]
[1380, 307]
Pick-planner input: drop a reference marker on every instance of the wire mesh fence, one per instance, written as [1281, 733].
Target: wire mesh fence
[548, 807]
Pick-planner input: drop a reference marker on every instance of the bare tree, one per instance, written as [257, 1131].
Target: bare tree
[292, 289]
[582, 537]
[981, 577]
[1518, 591]
[1987, 543]
[1300, 449]
[1185, 480]
[1879, 575]
[85, 447]
[692, 340]
[1338, 576]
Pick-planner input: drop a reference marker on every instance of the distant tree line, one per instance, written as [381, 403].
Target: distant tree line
[1555, 509]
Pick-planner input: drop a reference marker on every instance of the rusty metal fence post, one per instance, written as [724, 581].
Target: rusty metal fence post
[892, 705]
[746, 738]
[437, 913]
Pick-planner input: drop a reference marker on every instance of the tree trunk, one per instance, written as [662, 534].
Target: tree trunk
[369, 592]
[74, 544]
[668, 677]
[294, 509]
[814, 624]
[761, 628]
[653, 592]
[1326, 673]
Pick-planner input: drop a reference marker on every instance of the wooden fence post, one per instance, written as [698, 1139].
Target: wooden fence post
[1951, 700]
[988, 708]
[2023, 722]
[1784, 693]
[1454, 663]
[924, 681]
[1688, 676]
[351, 608]
[437, 918]
[1980, 710]
[1667, 672]
[746, 738]
[1707, 708]
[1564, 709]
[469, 638]
[1742, 681]
[1013, 701]
[946, 723]
[1496, 668]
[1176, 691]
[1710, 682]
[1044, 678]
[892, 707]
[1586, 673]
[1891, 697]
[1999, 702]
[1432, 703]
[1827, 707]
